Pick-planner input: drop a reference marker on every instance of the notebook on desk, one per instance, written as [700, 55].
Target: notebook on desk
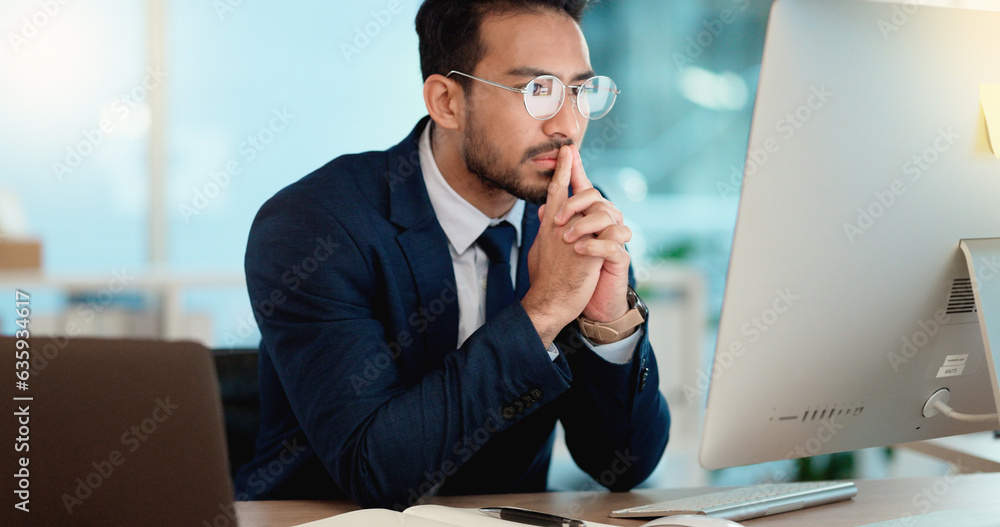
[114, 433]
[419, 516]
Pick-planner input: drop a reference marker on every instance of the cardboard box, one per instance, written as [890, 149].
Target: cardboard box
[20, 254]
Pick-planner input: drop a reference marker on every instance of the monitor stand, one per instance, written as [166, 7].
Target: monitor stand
[983, 257]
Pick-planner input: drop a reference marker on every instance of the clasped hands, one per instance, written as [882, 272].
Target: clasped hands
[578, 263]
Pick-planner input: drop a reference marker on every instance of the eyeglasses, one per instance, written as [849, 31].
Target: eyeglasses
[544, 95]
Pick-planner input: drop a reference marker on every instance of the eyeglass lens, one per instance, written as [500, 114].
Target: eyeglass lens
[544, 97]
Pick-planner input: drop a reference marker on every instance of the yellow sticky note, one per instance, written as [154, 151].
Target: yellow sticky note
[990, 95]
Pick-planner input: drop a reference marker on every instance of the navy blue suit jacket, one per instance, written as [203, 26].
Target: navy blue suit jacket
[363, 392]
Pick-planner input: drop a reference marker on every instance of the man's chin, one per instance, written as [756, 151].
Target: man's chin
[532, 187]
[541, 192]
[537, 187]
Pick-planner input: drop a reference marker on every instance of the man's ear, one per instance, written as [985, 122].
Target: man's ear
[445, 101]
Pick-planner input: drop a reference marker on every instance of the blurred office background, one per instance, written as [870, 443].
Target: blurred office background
[140, 138]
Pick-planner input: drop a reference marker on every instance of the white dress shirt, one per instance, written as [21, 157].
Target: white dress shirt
[463, 223]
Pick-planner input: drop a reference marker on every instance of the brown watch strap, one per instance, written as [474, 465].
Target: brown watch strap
[607, 332]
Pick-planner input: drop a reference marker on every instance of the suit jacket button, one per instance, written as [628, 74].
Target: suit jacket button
[642, 378]
[508, 413]
[518, 406]
[535, 394]
[526, 401]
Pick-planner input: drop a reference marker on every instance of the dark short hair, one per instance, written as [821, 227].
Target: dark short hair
[449, 30]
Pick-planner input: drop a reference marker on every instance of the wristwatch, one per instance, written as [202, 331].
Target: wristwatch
[607, 332]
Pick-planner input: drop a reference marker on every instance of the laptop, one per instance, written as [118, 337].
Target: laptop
[112, 433]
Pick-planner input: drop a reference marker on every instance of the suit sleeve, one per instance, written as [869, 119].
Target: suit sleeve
[322, 322]
[617, 423]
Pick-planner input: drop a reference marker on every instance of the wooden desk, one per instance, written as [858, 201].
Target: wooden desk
[877, 500]
[979, 452]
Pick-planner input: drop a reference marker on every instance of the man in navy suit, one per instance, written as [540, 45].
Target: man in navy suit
[425, 321]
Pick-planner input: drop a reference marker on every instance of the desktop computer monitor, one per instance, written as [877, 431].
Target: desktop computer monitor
[849, 301]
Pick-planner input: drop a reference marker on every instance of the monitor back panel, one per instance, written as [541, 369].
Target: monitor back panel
[867, 163]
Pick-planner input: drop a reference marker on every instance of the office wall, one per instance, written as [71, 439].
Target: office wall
[261, 93]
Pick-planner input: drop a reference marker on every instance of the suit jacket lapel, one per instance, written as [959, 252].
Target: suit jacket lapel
[425, 247]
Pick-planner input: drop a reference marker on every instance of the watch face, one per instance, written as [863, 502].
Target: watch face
[637, 302]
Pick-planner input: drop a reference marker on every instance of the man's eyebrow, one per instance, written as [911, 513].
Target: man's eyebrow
[531, 72]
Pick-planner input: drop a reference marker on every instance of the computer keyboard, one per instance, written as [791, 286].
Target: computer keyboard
[744, 503]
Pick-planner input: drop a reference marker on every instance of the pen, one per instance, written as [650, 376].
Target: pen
[542, 519]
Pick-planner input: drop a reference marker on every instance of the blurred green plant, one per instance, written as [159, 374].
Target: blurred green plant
[826, 467]
[681, 250]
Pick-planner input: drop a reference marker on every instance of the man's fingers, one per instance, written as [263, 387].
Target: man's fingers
[611, 248]
[591, 224]
[578, 178]
[619, 234]
[612, 251]
[605, 206]
[588, 202]
[559, 186]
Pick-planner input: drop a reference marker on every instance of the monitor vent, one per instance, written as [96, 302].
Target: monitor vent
[821, 412]
[961, 299]
[813, 414]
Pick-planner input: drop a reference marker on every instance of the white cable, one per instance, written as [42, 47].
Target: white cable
[948, 411]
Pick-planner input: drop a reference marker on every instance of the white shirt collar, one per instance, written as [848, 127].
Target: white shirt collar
[462, 222]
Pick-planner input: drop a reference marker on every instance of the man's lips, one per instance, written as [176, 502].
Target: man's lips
[546, 160]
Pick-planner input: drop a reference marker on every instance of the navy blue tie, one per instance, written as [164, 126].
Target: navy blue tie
[497, 241]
